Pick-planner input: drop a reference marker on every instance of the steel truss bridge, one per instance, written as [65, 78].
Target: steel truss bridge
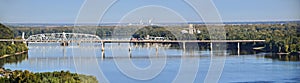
[62, 37]
[65, 38]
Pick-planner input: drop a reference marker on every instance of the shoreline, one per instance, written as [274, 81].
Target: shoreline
[23, 76]
[18, 53]
[289, 53]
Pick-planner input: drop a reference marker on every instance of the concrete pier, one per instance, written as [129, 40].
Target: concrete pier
[183, 46]
[238, 48]
[103, 54]
[102, 45]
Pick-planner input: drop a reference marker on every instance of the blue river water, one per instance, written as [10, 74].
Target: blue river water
[164, 64]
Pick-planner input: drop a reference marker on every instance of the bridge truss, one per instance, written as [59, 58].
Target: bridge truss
[62, 37]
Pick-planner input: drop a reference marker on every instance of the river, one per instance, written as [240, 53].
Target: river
[166, 63]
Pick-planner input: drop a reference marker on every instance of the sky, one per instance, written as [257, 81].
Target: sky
[66, 11]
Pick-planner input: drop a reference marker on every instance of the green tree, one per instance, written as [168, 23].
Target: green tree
[10, 50]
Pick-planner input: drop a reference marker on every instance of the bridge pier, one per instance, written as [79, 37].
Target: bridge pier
[23, 38]
[23, 35]
[130, 54]
[64, 43]
[102, 54]
[78, 43]
[102, 45]
[136, 44]
[156, 53]
[238, 48]
[156, 47]
[24, 41]
[148, 45]
[129, 47]
[183, 46]
[211, 48]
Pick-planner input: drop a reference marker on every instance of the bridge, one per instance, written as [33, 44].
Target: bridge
[62, 36]
[65, 38]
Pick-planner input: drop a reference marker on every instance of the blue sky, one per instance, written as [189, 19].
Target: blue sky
[66, 11]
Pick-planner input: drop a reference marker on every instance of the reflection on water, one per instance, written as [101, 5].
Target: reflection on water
[243, 68]
[15, 59]
[284, 57]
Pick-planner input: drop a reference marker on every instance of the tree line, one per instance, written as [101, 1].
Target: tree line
[279, 37]
[18, 76]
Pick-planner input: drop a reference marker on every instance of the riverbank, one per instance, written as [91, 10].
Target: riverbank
[7, 55]
[289, 53]
[8, 76]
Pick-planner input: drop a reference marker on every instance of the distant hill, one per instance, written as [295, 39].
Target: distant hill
[5, 32]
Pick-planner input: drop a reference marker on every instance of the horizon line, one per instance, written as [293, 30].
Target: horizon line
[188, 22]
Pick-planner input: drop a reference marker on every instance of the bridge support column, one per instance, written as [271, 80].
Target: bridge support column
[148, 45]
[129, 47]
[156, 47]
[24, 41]
[130, 54]
[23, 35]
[78, 43]
[102, 55]
[183, 46]
[12, 41]
[238, 48]
[64, 43]
[211, 48]
[136, 44]
[102, 45]
[156, 53]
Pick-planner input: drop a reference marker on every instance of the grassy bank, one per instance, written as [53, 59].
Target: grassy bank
[18, 76]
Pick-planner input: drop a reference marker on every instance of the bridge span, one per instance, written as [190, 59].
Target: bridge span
[65, 38]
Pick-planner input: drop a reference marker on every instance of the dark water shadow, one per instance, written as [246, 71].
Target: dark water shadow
[15, 59]
[283, 57]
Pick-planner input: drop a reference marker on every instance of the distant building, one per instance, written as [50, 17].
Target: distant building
[191, 29]
[184, 32]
